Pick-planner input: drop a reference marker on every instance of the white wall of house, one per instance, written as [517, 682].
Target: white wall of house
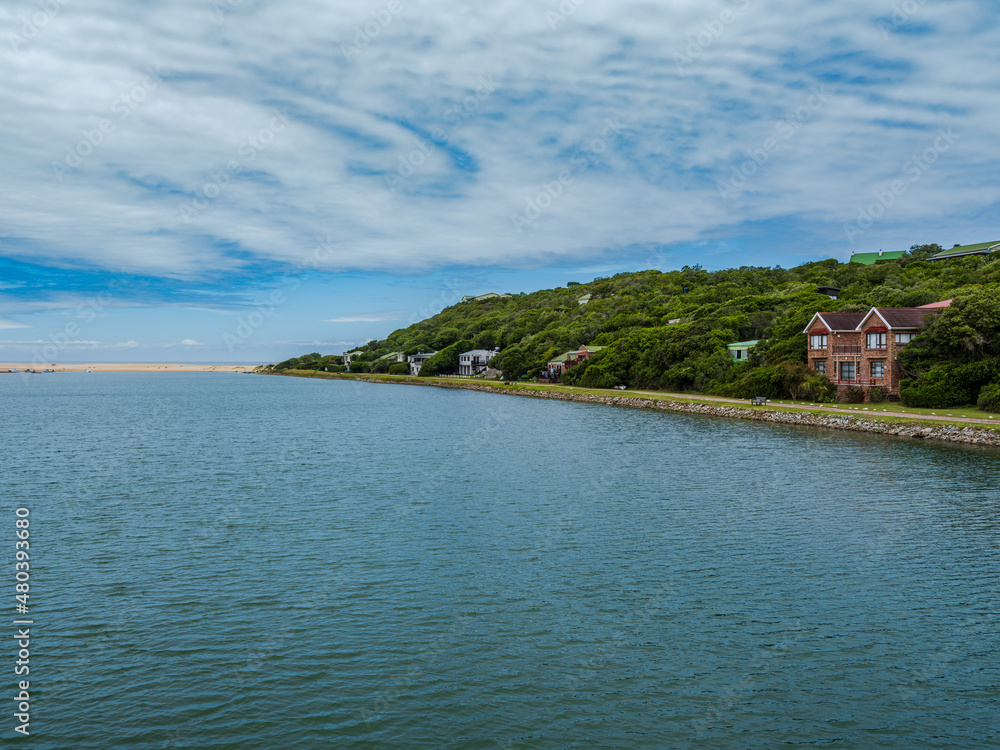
[417, 361]
[474, 362]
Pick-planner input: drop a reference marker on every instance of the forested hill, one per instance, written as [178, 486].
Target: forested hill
[669, 330]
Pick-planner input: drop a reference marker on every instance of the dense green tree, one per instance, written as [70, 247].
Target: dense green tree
[669, 330]
[445, 362]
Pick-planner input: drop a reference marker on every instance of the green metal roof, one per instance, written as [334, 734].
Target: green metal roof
[866, 259]
[390, 354]
[560, 358]
[743, 344]
[981, 248]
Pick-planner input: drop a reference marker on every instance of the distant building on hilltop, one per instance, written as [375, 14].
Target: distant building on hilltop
[960, 251]
[866, 259]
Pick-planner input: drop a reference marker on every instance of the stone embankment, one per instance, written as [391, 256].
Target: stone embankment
[948, 432]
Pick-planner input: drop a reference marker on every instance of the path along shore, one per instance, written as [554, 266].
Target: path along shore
[950, 429]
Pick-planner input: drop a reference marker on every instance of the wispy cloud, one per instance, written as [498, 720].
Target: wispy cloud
[161, 121]
[377, 317]
[7, 323]
[412, 148]
[36, 342]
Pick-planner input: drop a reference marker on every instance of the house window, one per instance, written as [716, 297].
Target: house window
[878, 369]
[819, 366]
[848, 371]
[876, 340]
[817, 341]
[904, 338]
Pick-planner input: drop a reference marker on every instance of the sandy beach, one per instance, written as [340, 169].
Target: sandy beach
[126, 367]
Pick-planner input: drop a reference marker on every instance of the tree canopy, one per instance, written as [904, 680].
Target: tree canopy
[669, 330]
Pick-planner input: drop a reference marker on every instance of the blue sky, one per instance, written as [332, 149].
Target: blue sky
[242, 181]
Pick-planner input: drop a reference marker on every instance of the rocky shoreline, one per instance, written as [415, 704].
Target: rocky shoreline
[946, 432]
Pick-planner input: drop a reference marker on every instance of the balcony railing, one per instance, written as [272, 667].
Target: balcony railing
[846, 350]
[858, 381]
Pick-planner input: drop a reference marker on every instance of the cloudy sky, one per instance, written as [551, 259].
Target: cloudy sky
[241, 180]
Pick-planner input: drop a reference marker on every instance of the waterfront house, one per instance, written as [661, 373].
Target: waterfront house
[961, 251]
[392, 357]
[417, 361]
[866, 259]
[861, 349]
[348, 356]
[474, 362]
[741, 349]
[556, 367]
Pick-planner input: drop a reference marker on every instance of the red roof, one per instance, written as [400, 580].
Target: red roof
[936, 305]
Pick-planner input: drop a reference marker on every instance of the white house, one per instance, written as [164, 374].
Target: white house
[348, 356]
[417, 361]
[474, 362]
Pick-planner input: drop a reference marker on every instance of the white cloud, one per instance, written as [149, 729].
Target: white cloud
[127, 344]
[7, 323]
[171, 136]
[190, 342]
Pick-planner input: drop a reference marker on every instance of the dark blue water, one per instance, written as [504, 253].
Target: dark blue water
[235, 561]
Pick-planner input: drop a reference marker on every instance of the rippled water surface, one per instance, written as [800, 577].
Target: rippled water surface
[234, 561]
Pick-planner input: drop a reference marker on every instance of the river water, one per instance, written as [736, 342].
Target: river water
[233, 561]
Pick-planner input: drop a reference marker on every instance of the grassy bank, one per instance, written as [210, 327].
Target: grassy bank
[889, 414]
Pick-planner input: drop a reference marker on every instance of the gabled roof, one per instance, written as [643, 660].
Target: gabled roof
[899, 317]
[866, 259]
[837, 321]
[982, 248]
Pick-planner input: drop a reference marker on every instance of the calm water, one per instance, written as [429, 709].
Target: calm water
[234, 561]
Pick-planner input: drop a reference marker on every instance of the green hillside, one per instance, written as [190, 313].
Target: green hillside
[669, 330]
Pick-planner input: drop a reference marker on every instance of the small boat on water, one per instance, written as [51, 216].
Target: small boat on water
[13, 369]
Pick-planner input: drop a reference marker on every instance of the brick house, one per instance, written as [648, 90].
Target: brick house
[860, 349]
